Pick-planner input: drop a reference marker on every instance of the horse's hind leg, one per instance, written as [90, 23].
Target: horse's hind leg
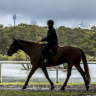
[47, 76]
[68, 76]
[29, 76]
[83, 75]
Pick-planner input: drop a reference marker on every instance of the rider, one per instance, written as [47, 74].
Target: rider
[51, 39]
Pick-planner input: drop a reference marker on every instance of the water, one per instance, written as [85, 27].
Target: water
[15, 72]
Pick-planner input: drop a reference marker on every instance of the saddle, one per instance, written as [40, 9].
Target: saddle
[52, 51]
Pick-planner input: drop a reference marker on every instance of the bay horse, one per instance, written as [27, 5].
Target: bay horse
[66, 54]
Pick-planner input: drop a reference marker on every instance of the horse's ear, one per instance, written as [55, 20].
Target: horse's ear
[14, 39]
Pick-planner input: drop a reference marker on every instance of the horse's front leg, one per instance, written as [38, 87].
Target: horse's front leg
[29, 76]
[47, 76]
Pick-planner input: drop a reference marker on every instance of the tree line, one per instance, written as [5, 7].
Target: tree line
[82, 38]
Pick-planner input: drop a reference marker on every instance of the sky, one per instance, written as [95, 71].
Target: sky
[64, 12]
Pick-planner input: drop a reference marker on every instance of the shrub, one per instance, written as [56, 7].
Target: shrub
[20, 56]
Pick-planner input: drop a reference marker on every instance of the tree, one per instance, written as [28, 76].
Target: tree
[1, 26]
[93, 28]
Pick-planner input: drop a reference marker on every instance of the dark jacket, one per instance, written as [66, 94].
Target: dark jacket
[51, 36]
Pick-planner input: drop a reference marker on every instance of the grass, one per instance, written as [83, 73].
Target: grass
[36, 83]
[37, 93]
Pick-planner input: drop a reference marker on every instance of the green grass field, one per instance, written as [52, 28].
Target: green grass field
[37, 93]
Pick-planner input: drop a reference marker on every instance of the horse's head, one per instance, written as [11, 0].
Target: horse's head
[13, 48]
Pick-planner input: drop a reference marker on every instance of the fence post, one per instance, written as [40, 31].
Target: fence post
[0, 73]
[56, 74]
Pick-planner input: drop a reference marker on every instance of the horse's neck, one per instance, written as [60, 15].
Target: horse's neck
[28, 48]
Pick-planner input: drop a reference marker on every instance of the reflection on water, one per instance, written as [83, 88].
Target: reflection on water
[15, 72]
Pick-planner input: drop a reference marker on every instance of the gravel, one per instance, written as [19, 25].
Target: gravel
[69, 88]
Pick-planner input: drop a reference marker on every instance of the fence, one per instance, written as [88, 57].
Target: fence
[19, 62]
[26, 62]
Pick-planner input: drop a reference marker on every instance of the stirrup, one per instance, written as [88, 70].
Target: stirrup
[45, 60]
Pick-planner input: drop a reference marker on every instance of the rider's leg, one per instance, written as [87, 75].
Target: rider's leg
[46, 52]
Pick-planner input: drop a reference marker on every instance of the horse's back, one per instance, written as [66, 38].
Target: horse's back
[69, 51]
[69, 48]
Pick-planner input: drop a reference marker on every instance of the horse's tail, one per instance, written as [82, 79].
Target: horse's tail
[87, 74]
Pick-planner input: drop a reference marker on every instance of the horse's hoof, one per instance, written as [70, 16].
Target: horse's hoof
[24, 87]
[52, 87]
[62, 88]
[87, 87]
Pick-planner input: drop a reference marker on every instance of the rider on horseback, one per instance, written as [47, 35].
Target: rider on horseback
[52, 40]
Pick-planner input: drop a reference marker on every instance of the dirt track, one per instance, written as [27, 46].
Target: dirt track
[73, 88]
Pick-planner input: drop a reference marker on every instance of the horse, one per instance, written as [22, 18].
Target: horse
[66, 54]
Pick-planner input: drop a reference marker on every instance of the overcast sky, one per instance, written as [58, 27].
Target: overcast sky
[63, 12]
